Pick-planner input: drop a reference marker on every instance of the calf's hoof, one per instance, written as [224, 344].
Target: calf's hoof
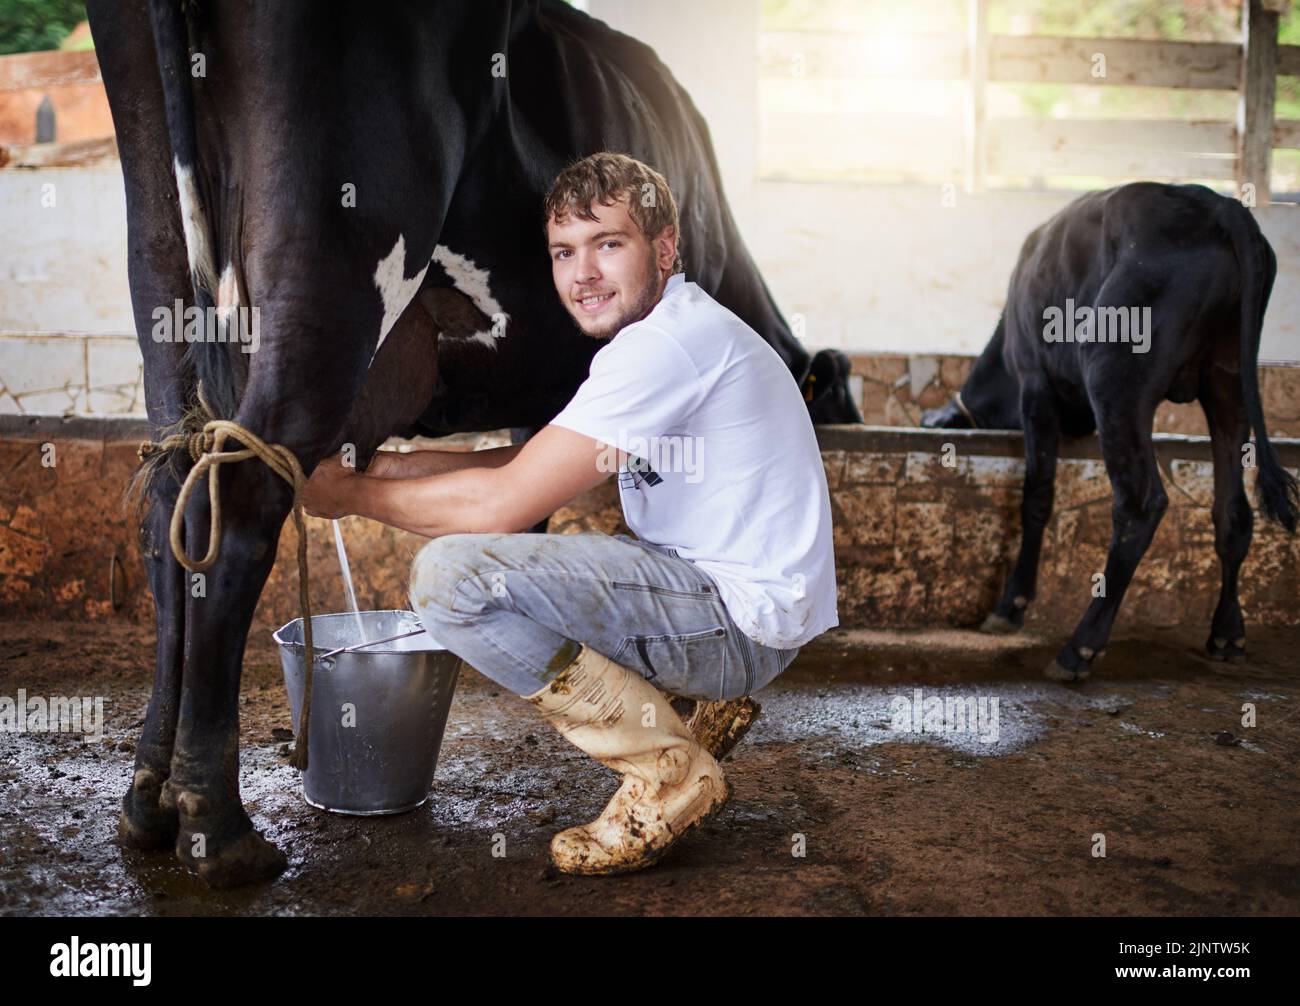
[1073, 664]
[145, 823]
[1056, 671]
[1231, 650]
[1000, 625]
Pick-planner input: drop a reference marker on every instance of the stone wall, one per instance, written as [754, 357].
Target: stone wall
[920, 543]
[917, 543]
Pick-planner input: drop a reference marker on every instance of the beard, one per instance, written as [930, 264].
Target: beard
[647, 294]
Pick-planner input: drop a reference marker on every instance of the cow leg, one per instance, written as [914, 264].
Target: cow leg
[1042, 439]
[146, 820]
[1233, 519]
[158, 276]
[1139, 503]
[215, 836]
[144, 823]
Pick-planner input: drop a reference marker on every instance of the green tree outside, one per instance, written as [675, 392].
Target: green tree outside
[37, 25]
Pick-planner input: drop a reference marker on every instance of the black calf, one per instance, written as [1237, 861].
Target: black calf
[1168, 285]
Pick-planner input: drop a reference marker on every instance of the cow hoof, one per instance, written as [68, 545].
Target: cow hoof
[247, 859]
[999, 625]
[1056, 672]
[143, 822]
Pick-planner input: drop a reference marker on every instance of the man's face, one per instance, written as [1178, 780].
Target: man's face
[607, 273]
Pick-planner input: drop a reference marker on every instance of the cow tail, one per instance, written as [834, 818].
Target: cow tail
[1278, 495]
[207, 357]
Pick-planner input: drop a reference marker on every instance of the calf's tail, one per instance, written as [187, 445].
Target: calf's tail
[1278, 494]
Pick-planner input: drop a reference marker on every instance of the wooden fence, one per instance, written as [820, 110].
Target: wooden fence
[1138, 148]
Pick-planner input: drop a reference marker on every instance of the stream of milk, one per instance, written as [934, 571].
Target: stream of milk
[347, 581]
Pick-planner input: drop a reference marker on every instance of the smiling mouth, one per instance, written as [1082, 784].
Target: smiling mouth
[594, 302]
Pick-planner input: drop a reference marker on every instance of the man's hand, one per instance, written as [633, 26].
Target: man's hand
[331, 490]
[386, 465]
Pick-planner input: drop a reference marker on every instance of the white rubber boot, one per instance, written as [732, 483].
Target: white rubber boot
[669, 781]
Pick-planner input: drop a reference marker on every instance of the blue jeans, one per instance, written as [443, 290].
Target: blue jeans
[516, 608]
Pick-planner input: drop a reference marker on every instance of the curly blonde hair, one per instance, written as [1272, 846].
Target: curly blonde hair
[607, 177]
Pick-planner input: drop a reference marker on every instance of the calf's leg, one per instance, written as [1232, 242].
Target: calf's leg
[1139, 503]
[1233, 519]
[1042, 439]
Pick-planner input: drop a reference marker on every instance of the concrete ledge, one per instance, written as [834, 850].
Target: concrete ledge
[887, 439]
[106, 429]
[1011, 443]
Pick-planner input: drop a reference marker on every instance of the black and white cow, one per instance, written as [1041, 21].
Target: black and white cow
[1175, 279]
[369, 177]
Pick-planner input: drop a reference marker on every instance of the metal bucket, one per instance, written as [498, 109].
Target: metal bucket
[377, 714]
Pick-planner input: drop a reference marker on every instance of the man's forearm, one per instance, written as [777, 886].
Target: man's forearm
[470, 500]
[553, 468]
[421, 464]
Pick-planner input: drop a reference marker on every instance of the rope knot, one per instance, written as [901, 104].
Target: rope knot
[207, 449]
[199, 443]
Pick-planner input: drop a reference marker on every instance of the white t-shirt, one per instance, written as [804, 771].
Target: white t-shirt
[730, 475]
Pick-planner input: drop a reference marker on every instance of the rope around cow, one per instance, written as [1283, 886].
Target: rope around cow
[206, 449]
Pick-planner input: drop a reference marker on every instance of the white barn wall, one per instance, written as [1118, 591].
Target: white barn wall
[869, 267]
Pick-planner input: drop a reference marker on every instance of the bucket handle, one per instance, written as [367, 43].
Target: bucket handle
[373, 642]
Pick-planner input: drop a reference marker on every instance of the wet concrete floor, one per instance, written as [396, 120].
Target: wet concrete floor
[837, 809]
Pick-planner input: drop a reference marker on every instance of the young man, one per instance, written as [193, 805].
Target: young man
[720, 478]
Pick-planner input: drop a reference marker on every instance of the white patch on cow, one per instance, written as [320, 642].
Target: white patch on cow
[198, 238]
[473, 282]
[394, 288]
[227, 295]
